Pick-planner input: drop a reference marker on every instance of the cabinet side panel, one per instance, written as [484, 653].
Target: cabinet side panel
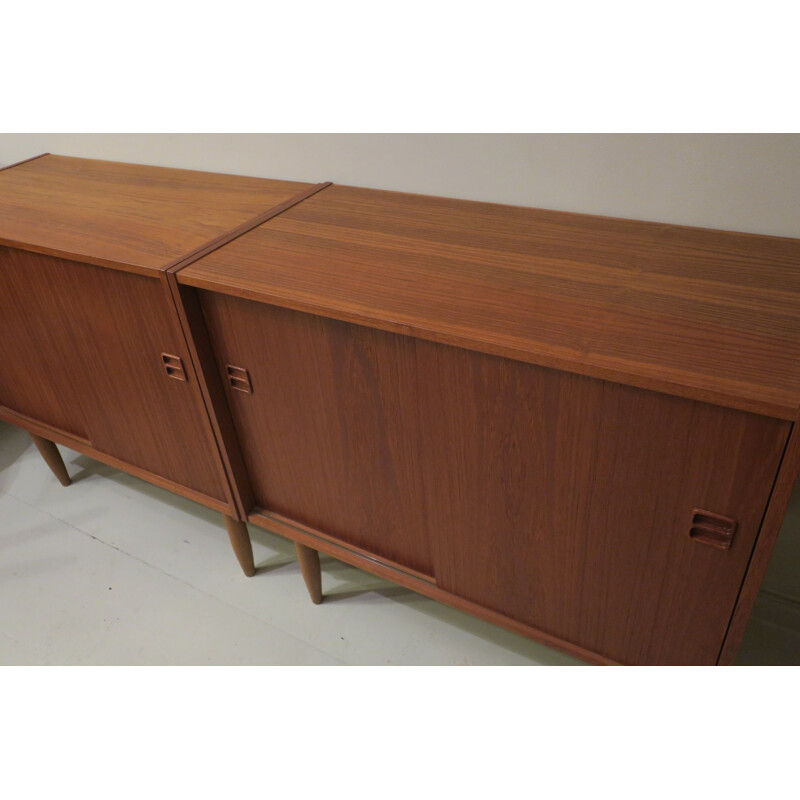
[566, 502]
[329, 430]
[770, 528]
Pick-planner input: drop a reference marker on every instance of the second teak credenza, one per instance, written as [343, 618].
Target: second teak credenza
[580, 428]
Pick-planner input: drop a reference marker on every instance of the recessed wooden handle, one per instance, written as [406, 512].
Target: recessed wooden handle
[239, 379]
[173, 366]
[712, 529]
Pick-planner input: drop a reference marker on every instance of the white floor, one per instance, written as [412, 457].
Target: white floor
[114, 571]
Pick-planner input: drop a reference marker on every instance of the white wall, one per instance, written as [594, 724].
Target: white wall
[746, 182]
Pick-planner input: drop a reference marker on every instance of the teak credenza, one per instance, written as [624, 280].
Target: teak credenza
[92, 351]
[580, 428]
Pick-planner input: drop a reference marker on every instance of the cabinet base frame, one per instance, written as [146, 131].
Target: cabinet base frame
[237, 530]
[83, 447]
[415, 581]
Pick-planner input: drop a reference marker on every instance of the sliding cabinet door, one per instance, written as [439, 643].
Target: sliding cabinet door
[106, 349]
[618, 519]
[37, 373]
[327, 418]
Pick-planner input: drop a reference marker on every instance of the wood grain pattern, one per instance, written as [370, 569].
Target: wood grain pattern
[92, 342]
[559, 501]
[245, 227]
[133, 217]
[709, 315]
[37, 347]
[566, 503]
[415, 582]
[325, 433]
[136, 413]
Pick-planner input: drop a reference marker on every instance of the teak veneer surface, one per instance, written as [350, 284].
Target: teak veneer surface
[328, 432]
[705, 314]
[565, 502]
[80, 350]
[560, 501]
[113, 214]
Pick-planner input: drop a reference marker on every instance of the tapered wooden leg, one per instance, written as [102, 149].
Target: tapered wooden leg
[312, 575]
[49, 452]
[242, 546]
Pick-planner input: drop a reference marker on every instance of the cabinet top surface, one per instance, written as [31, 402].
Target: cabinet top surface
[706, 314]
[131, 215]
